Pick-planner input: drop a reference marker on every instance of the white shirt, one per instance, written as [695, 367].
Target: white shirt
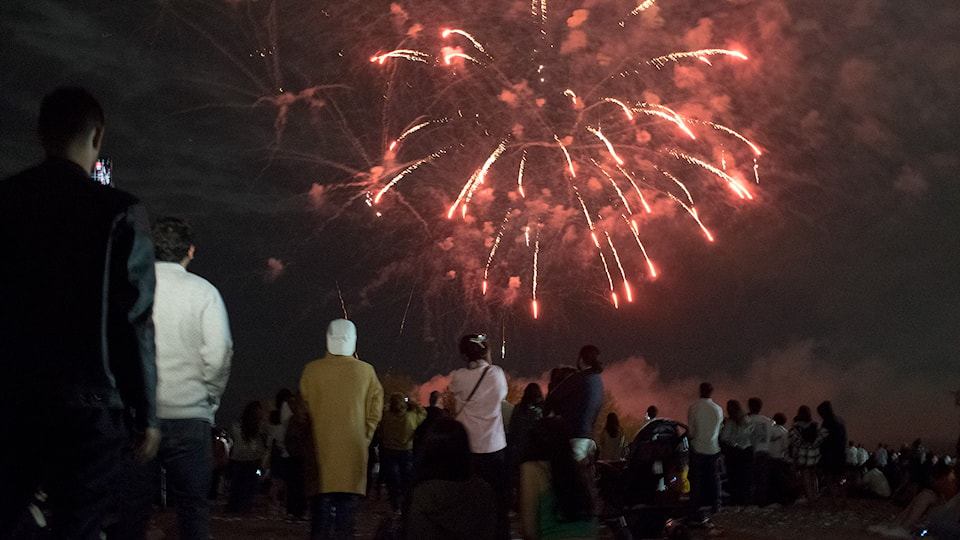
[762, 431]
[881, 457]
[482, 415]
[779, 442]
[703, 419]
[194, 346]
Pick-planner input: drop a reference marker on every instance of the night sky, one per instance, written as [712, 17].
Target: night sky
[840, 281]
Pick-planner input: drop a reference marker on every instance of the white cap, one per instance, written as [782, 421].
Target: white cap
[341, 337]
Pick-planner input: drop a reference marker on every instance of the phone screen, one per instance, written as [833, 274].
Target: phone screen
[102, 171]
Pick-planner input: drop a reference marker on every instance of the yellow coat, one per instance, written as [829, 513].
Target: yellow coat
[344, 399]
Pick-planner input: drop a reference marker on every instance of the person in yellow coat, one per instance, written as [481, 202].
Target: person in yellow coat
[344, 400]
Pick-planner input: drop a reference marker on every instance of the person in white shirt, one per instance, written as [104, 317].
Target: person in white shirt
[194, 349]
[479, 390]
[703, 420]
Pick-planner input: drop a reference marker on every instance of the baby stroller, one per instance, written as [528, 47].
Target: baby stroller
[642, 495]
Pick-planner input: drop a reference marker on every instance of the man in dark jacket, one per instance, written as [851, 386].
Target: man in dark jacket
[76, 334]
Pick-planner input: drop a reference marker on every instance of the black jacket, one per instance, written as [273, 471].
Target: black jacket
[76, 295]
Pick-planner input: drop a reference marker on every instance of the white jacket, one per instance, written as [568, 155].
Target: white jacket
[194, 346]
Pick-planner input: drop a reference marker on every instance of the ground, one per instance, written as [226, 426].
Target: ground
[818, 521]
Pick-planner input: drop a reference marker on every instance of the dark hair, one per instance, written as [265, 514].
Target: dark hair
[172, 239]
[780, 419]
[66, 114]
[803, 414]
[735, 410]
[612, 426]
[435, 398]
[444, 453]
[754, 405]
[283, 395]
[589, 354]
[474, 346]
[532, 395]
[706, 389]
[652, 411]
[250, 420]
[550, 442]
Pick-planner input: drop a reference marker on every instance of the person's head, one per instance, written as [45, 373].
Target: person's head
[341, 338]
[825, 410]
[283, 395]
[612, 426]
[444, 453]
[652, 412]
[706, 390]
[474, 347]
[435, 398]
[397, 403]
[754, 405]
[804, 414]
[251, 420]
[173, 240]
[590, 356]
[532, 395]
[943, 479]
[780, 419]
[735, 410]
[70, 125]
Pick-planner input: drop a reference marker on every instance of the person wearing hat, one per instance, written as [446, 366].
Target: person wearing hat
[344, 401]
[479, 388]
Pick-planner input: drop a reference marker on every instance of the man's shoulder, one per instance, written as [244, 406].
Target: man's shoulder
[171, 271]
[62, 179]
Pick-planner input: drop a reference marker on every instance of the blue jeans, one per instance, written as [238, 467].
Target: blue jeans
[333, 516]
[396, 467]
[185, 454]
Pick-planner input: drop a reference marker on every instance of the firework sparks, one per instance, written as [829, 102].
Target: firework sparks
[525, 126]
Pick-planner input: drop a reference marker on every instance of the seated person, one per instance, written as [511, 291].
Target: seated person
[943, 487]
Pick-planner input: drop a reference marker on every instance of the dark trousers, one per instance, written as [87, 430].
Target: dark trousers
[73, 454]
[396, 467]
[185, 454]
[759, 493]
[296, 497]
[739, 462]
[243, 485]
[492, 467]
[333, 516]
[704, 479]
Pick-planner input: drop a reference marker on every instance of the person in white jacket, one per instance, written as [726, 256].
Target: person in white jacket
[194, 348]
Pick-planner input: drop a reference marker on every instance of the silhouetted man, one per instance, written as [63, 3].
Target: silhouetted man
[76, 335]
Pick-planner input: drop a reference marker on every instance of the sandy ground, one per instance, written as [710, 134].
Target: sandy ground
[818, 521]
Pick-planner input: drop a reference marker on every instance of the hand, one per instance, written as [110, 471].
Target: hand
[147, 444]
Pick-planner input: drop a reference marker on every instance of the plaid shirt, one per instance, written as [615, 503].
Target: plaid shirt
[805, 453]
